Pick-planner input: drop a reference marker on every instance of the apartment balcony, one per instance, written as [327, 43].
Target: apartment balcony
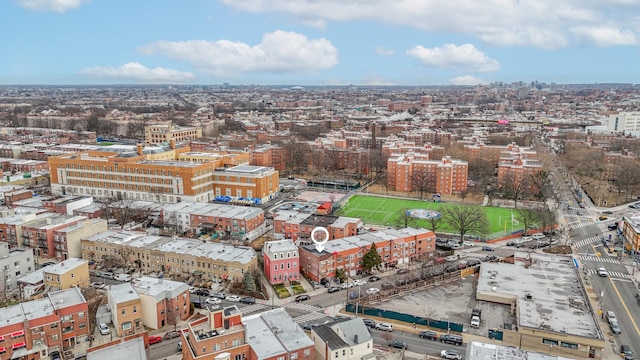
[26, 236]
[26, 243]
[42, 244]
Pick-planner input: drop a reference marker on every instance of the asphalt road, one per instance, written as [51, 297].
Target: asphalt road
[164, 348]
[414, 343]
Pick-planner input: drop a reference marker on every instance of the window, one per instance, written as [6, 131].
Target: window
[307, 352]
[337, 354]
[135, 309]
[126, 325]
[123, 312]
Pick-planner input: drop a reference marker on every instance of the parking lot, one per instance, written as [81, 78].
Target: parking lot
[451, 302]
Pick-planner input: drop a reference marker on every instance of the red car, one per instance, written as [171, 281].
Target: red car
[154, 339]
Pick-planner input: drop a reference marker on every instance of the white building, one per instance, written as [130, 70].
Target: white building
[15, 264]
[344, 339]
[625, 122]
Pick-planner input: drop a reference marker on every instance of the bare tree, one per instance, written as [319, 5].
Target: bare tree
[295, 155]
[546, 218]
[421, 182]
[466, 219]
[542, 181]
[405, 220]
[514, 186]
[528, 218]
[627, 177]
[434, 223]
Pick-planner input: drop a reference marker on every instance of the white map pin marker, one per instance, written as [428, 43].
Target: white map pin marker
[320, 243]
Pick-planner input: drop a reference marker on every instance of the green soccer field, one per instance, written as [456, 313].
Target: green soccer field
[386, 211]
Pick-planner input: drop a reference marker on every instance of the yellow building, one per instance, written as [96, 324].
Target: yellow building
[171, 256]
[126, 309]
[164, 133]
[67, 274]
[160, 173]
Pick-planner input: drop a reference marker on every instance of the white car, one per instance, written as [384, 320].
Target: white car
[104, 329]
[233, 298]
[371, 291]
[450, 355]
[602, 271]
[346, 285]
[360, 282]
[538, 236]
[468, 243]
[452, 257]
[213, 301]
[526, 238]
[97, 285]
[384, 326]
[192, 289]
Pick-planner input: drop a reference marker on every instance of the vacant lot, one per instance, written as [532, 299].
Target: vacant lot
[386, 211]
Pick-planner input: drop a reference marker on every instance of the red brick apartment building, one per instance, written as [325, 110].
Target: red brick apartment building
[394, 246]
[298, 226]
[408, 172]
[225, 334]
[37, 329]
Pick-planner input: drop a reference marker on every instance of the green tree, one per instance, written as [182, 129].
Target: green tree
[249, 282]
[371, 259]
[529, 219]
[341, 275]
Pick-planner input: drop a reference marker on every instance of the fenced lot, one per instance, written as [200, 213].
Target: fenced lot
[386, 211]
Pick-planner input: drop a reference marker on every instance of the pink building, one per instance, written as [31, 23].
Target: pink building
[281, 261]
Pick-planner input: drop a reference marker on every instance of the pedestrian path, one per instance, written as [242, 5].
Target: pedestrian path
[612, 274]
[308, 317]
[587, 241]
[578, 225]
[302, 307]
[605, 259]
[253, 308]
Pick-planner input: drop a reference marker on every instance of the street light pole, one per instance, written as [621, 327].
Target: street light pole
[602, 293]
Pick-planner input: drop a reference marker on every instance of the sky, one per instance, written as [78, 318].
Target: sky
[318, 42]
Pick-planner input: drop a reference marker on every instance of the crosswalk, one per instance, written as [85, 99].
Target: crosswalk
[587, 241]
[302, 307]
[578, 225]
[612, 274]
[308, 317]
[252, 308]
[604, 259]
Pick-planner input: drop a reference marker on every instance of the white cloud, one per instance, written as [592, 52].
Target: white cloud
[464, 57]
[51, 5]
[466, 80]
[384, 52]
[606, 36]
[139, 73]
[545, 24]
[279, 51]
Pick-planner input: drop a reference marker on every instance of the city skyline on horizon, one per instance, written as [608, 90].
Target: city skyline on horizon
[319, 42]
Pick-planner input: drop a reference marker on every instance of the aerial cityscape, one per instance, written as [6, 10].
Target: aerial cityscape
[320, 180]
[259, 222]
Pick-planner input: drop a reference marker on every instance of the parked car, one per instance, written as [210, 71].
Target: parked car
[615, 328]
[473, 262]
[197, 304]
[213, 301]
[122, 277]
[360, 282]
[608, 212]
[450, 355]
[451, 339]
[104, 329]
[171, 335]
[179, 345]
[397, 344]
[354, 295]
[511, 243]
[371, 291]
[303, 297]
[333, 289]
[219, 295]
[538, 236]
[611, 316]
[248, 300]
[452, 257]
[108, 275]
[201, 292]
[309, 326]
[374, 279]
[54, 355]
[428, 334]
[461, 266]
[384, 326]
[487, 248]
[468, 243]
[368, 322]
[625, 352]
[154, 339]
[233, 298]
[97, 285]
[402, 271]
[346, 285]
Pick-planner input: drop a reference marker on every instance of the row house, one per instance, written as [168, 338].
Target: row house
[16, 195]
[126, 309]
[11, 228]
[298, 226]
[67, 274]
[55, 325]
[66, 205]
[341, 340]
[39, 234]
[242, 221]
[67, 239]
[281, 261]
[415, 172]
[164, 302]
[394, 246]
[171, 256]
